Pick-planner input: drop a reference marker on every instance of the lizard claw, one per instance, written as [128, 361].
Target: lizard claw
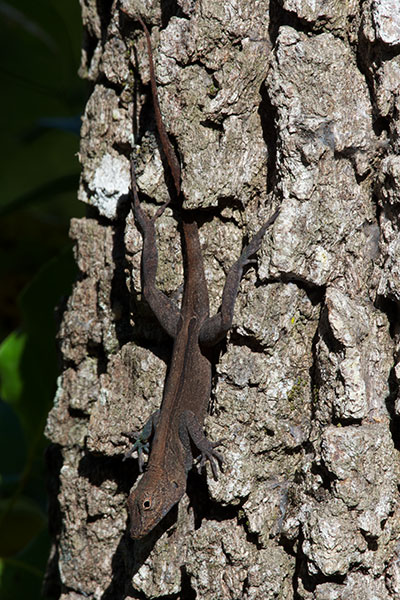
[140, 446]
[255, 244]
[212, 456]
[142, 439]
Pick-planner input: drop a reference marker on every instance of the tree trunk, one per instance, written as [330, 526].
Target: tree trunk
[283, 102]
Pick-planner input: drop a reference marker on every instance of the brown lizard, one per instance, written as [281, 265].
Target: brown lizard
[177, 429]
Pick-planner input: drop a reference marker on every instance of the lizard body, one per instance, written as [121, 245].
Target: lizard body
[178, 427]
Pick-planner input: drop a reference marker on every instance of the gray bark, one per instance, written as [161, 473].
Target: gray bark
[283, 102]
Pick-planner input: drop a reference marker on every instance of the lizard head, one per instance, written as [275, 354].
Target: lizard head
[151, 500]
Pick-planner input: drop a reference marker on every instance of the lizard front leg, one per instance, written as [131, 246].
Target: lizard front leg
[214, 328]
[190, 430]
[142, 439]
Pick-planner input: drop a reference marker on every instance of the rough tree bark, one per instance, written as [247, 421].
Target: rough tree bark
[289, 102]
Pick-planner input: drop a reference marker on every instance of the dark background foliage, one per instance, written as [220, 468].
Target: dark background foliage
[41, 102]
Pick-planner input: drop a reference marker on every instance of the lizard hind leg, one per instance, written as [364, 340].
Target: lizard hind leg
[145, 222]
[163, 308]
[214, 328]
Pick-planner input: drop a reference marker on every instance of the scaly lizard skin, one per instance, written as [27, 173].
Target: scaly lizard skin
[178, 427]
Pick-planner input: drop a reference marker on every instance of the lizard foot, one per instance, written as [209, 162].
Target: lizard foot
[215, 459]
[191, 429]
[255, 243]
[140, 446]
[142, 439]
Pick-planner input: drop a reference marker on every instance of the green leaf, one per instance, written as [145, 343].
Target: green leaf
[12, 449]
[24, 520]
[51, 188]
[11, 351]
[38, 363]
[39, 57]
[32, 28]
[21, 576]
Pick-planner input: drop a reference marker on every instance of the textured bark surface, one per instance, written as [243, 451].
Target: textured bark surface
[270, 102]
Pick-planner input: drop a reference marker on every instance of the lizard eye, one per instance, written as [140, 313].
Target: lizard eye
[147, 504]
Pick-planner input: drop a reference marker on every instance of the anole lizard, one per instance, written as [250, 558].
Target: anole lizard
[178, 426]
